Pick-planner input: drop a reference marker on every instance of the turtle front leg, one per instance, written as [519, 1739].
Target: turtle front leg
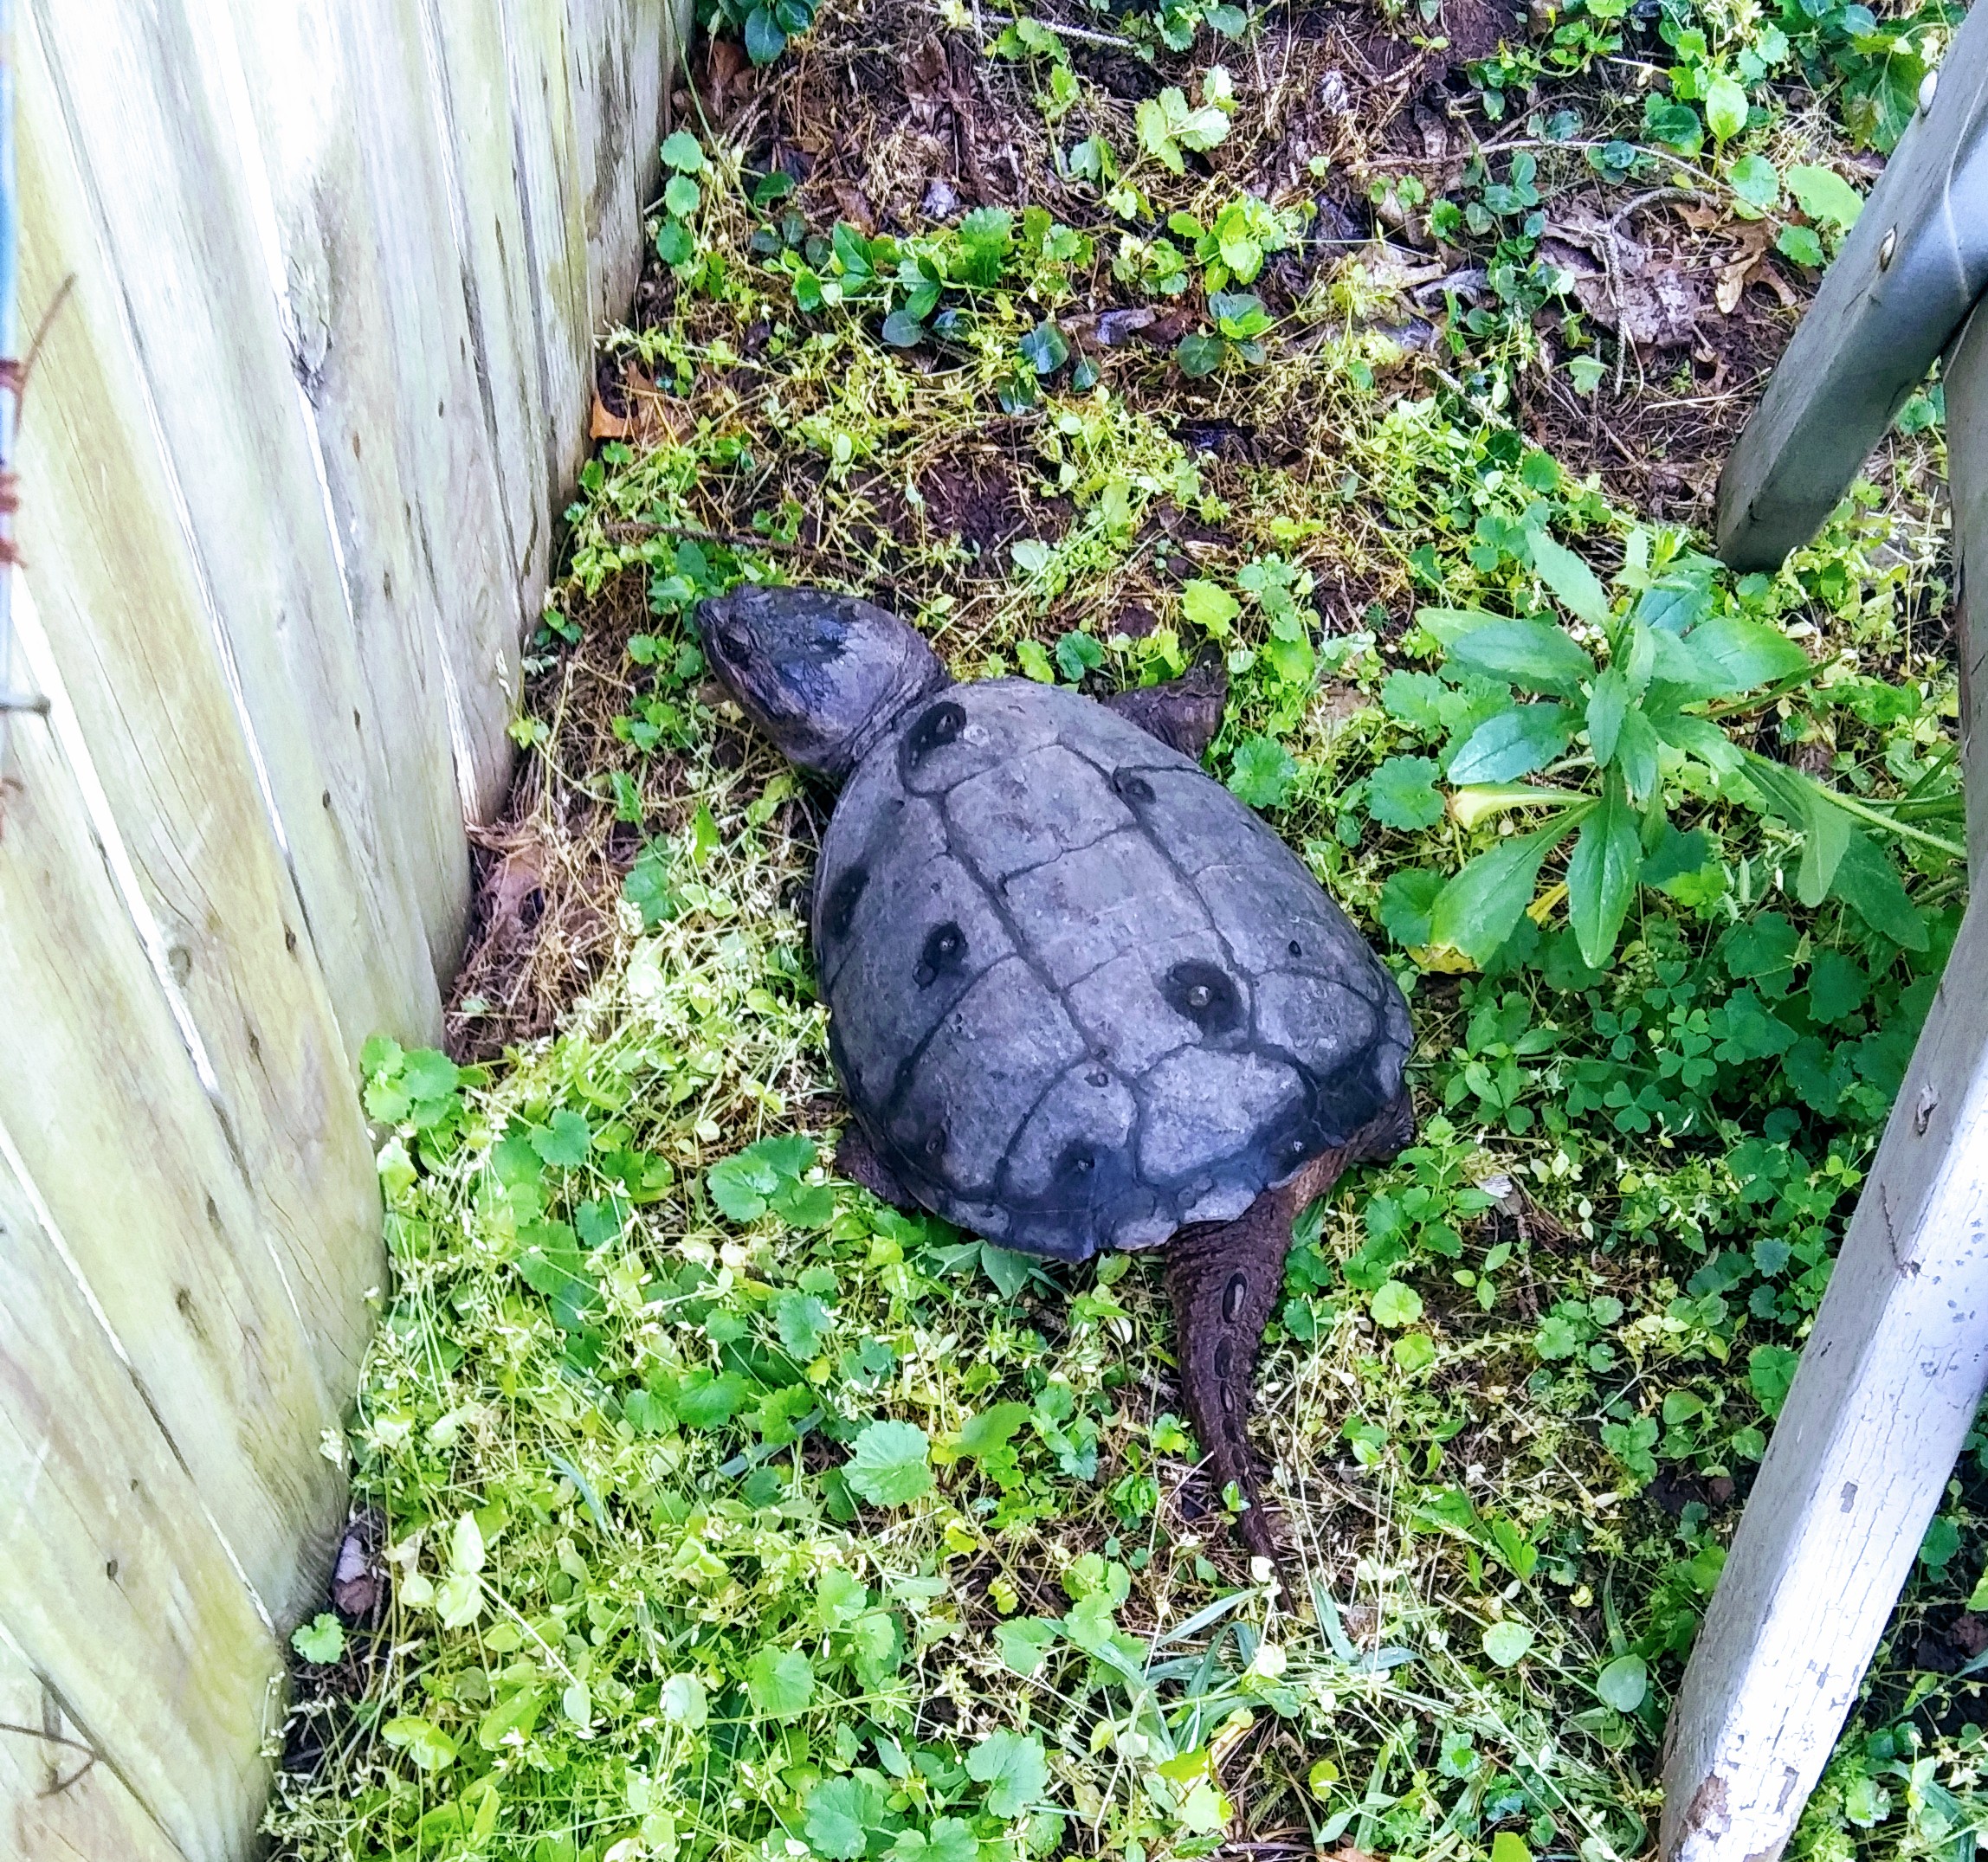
[1224, 1279]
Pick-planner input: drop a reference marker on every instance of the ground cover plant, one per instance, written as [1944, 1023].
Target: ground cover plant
[707, 1508]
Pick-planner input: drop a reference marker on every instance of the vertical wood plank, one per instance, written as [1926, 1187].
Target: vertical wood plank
[129, 635]
[59, 1801]
[114, 1587]
[1966, 379]
[113, 1127]
[142, 198]
[1886, 1390]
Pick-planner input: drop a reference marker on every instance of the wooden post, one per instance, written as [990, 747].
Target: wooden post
[1891, 1375]
[1905, 279]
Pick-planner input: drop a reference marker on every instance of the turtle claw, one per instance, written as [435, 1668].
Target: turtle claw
[1224, 1279]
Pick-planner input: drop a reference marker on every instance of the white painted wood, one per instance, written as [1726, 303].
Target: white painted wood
[1966, 378]
[132, 555]
[1887, 1388]
[1903, 283]
[146, 205]
[116, 1595]
[59, 1801]
[105, 1114]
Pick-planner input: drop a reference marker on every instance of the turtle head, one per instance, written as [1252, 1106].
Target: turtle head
[825, 676]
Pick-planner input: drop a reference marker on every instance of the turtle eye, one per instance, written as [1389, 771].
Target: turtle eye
[736, 641]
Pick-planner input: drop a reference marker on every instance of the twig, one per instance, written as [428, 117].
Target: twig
[1083, 35]
[90, 1753]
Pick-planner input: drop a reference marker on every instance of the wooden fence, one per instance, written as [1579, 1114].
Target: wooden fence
[325, 278]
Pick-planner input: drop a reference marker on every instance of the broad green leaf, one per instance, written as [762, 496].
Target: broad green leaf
[1506, 1641]
[709, 1402]
[1512, 743]
[1449, 625]
[684, 1701]
[518, 1715]
[1211, 607]
[1676, 854]
[1636, 757]
[1725, 107]
[1828, 833]
[1405, 901]
[1396, 1304]
[992, 1429]
[1698, 736]
[1476, 912]
[903, 328]
[840, 1814]
[564, 1139]
[1401, 793]
[1608, 703]
[681, 196]
[320, 1641]
[890, 1465]
[1824, 195]
[1045, 349]
[764, 42]
[681, 153]
[1676, 604]
[1623, 1682]
[1025, 1641]
[1603, 874]
[1525, 652]
[1570, 579]
[1866, 882]
[1261, 772]
[1014, 1769]
[779, 1683]
[424, 1742]
[1745, 653]
[1007, 1268]
[1507, 1847]
[1770, 1371]
[1800, 244]
[1757, 181]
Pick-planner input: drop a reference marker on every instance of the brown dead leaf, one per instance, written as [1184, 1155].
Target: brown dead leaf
[608, 426]
[727, 78]
[1748, 265]
[1654, 303]
[855, 209]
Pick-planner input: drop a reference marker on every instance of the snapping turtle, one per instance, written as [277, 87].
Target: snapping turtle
[1079, 996]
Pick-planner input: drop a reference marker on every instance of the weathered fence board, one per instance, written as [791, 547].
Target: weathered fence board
[115, 1589]
[58, 1802]
[129, 628]
[100, 1100]
[330, 275]
[189, 310]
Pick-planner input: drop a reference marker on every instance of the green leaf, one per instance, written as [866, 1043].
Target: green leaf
[802, 1321]
[1209, 606]
[1401, 793]
[681, 196]
[1800, 244]
[901, 330]
[1824, 846]
[779, 1683]
[1866, 882]
[424, 1742]
[1045, 349]
[1406, 900]
[842, 1811]
[1396, 1304]
[519, 1715]
[709, 1402]
[684, 1701]
[1676, 854]
[1077, 653]
[991, 1429]
[1756, 181]
[565, 1139]
[1476, 911]
[1507, 1847]
[950, 1840]
[1608, 703]
[1824, 195]
[1636, 757]
[1570, 579]
[1603, 874]
[1506, 1641]
[1261, 772]
[1770, 1369]
[1449, 625]
[764, 42]
[1623, 1682]
[1200, 354]
[1025, 1641]
[889, 1465]
[1513, 743]
[1014, 1769]
[1525, 652]
[321, 1641]
[1725, 107]
[1007, 1269]
[1745, 653]
[681, 151]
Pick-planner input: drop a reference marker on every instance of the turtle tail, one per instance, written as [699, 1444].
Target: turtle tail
[1224, 1279]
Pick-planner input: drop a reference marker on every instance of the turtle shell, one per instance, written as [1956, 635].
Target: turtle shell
[1079, 994]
